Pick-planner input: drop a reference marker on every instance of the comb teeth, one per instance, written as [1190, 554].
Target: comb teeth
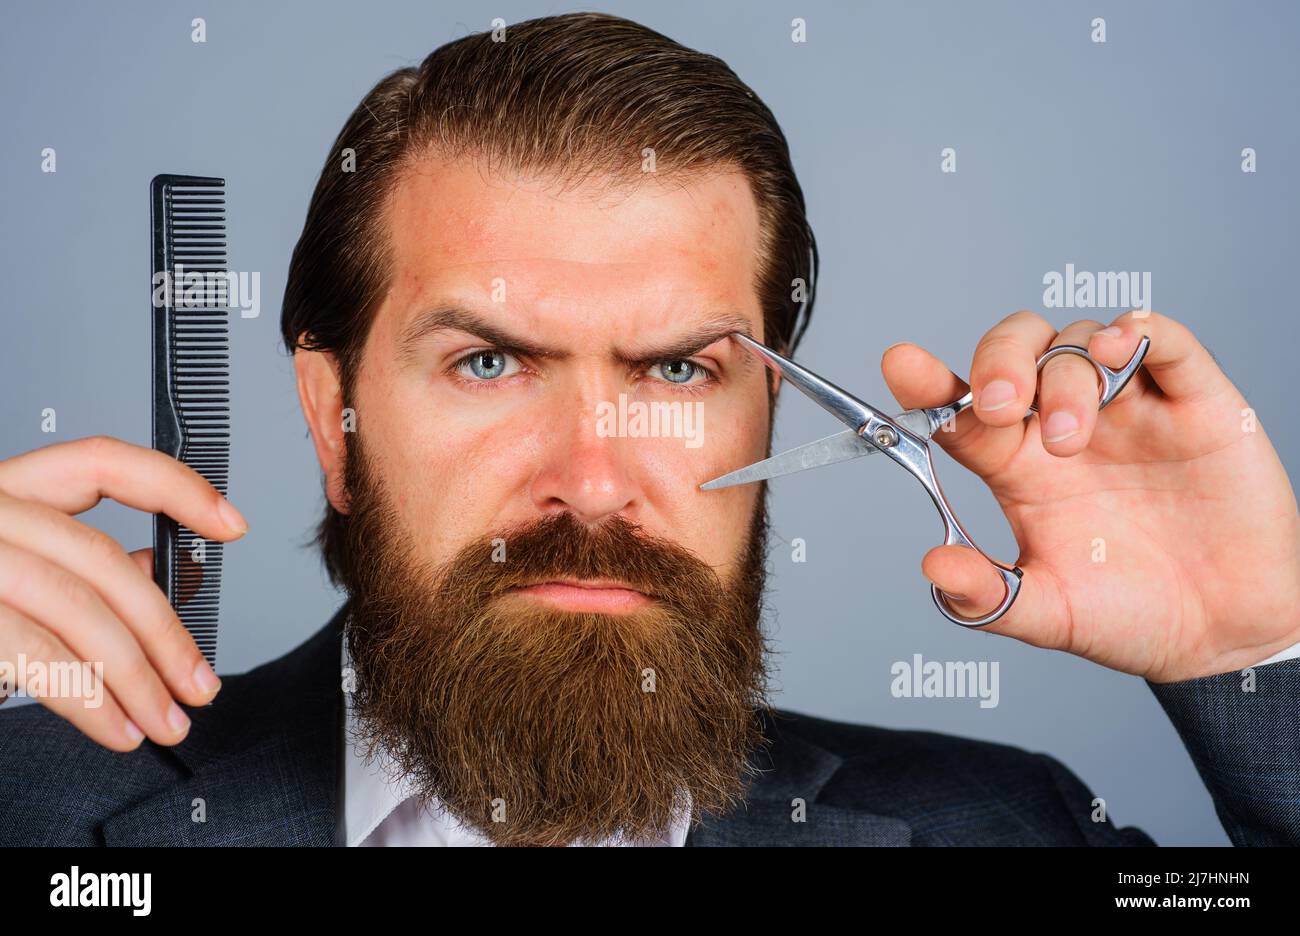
[192, 383]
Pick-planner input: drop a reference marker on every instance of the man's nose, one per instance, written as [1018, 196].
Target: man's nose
[584, 471]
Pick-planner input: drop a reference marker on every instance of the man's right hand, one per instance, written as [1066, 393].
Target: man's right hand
[71, 595]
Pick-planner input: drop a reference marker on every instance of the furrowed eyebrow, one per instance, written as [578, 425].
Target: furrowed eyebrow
[693, 342]
[444, 318]
[450, 317]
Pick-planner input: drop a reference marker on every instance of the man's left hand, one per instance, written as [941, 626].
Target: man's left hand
[1159, 537]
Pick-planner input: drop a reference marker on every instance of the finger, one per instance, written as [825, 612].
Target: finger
[69, 608]
[1177, 362]
[130, 594]
[974, 589]
[919, 379]
[75, 476]
[1004, 379]
[143, 558]
[1004, 370]
[93, 711]
[1069, 394]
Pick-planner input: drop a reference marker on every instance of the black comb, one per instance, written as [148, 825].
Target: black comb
[191, 382]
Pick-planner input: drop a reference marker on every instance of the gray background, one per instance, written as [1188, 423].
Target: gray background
[1122, 156]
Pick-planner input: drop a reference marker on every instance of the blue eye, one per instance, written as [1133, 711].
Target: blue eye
[486, 365]
[677, 371]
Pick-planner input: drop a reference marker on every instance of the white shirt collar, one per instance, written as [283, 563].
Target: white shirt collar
[380, 807]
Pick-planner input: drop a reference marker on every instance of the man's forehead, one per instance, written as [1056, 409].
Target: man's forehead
[453, 224]
[481, 199]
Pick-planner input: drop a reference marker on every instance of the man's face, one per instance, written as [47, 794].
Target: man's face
[596, 283]
[548, 616]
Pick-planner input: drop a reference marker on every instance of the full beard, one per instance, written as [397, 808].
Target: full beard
[541, 726]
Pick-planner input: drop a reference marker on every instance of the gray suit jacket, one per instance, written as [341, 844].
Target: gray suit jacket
[266, 760]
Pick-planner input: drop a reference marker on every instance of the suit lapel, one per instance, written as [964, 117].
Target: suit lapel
[782, 802]
[768, 823]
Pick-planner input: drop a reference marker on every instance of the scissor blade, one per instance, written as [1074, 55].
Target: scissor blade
[843, 405]
[836, 448]
[828, 451]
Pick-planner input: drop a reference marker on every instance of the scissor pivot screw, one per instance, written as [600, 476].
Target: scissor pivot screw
[885, 437]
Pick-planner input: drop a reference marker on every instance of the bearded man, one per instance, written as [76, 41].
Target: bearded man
[552, 636]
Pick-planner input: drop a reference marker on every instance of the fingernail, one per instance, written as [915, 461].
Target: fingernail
[133, 732]
[177, 719]
[997, 394]
[232, 517]
[1113, 331]
[952, 596]
[893, 346]
[204, 679]
[1060, 425]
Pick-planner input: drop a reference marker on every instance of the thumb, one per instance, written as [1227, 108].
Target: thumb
[973, 587]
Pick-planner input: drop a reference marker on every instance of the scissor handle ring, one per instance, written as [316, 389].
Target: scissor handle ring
[1011, 577]
[1112, 381]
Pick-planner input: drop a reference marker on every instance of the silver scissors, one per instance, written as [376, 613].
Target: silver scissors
[905, 439]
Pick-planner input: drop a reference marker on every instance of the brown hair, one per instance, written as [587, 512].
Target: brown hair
[575, 97]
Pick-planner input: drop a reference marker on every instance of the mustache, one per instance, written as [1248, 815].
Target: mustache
[562, 546]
